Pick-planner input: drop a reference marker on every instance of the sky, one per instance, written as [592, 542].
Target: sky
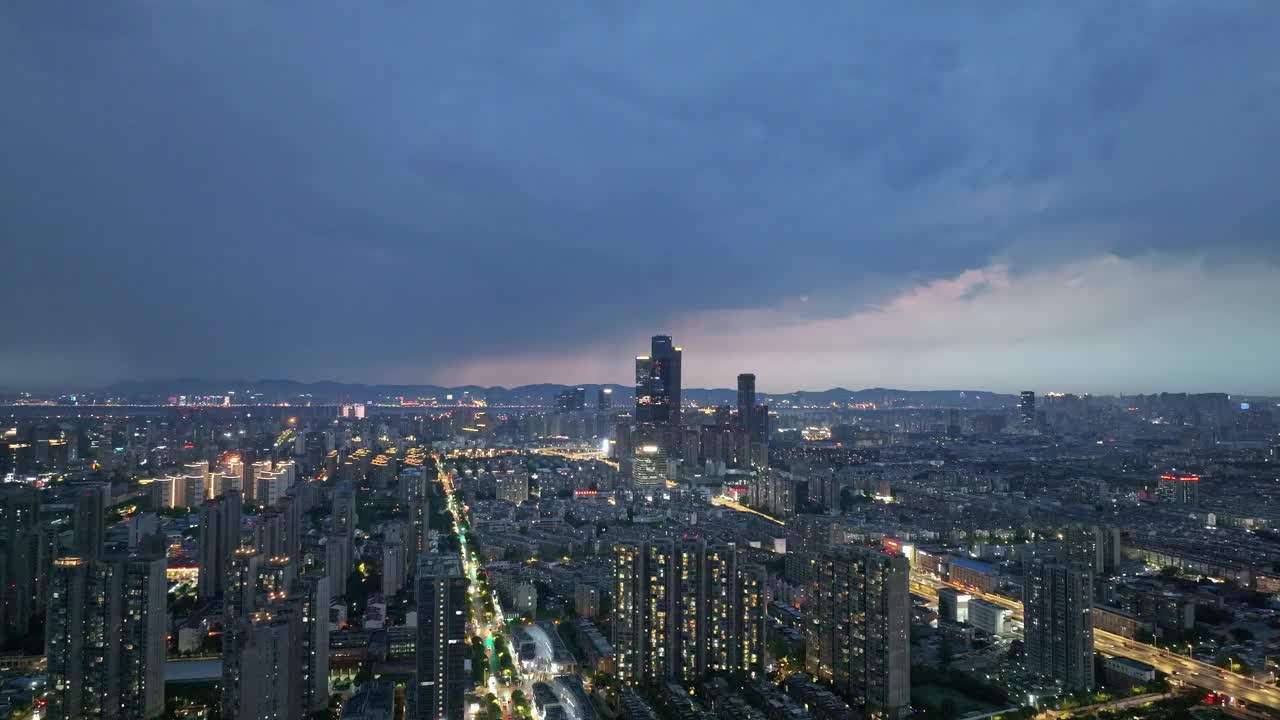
[1077, 196]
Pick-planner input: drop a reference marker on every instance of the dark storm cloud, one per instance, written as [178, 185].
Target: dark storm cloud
[379, 190]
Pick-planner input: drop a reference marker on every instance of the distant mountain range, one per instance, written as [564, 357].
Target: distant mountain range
[268, 391]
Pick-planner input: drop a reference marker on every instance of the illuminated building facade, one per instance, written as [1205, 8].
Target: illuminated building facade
[649, 466]
[1057, 600]
[859, 635]
[105, 637]
[1179, 488]
[441, 682]
[684, 608]
[513, 485]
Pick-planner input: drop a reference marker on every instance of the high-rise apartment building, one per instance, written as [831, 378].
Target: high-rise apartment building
[261, 677]
[683, 608]
[513, 484]
[89, 531]
[344, 511]
[308, 604]
[26, 555]
[442, 623]
[271, 483]
[859, 636]
[1098, 548]
[276, 639]
[105, 637]
[219, 537]
[1057, 600]
[194, 488]
[571, 400]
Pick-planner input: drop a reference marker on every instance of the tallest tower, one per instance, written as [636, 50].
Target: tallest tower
[658, 384]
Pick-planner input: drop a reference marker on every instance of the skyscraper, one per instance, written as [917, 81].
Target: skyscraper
[442, 624]
[1027, 407]
[1095, 547]
[241, 597]
[683, 608]
[658, 384]
[195, 484]
[604, 398]
[275, 641]
[746, 400]
[26, 552]
[219, 537]
[571, 400]
[627, 622]
[344, 511]
[261, 677]
[308, 603]
[106, 637]
[90, 521]
[418, 515]
[1057, 599]
[859, 633]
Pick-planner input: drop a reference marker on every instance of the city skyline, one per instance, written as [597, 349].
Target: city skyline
[1051, 195]
[640, 361]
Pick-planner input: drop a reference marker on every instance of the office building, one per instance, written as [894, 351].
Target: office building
[658, 393]
[859, 634]
[753, 419]
[1057, 600]
[219, 537]
[746, 399]
[988, 617]
[1027, 408]
[649, 466]
[442, 619]
[953, 605]
[604, 398]
[105, 637]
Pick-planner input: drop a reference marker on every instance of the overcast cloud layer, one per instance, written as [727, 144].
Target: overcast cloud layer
[1071, 195]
